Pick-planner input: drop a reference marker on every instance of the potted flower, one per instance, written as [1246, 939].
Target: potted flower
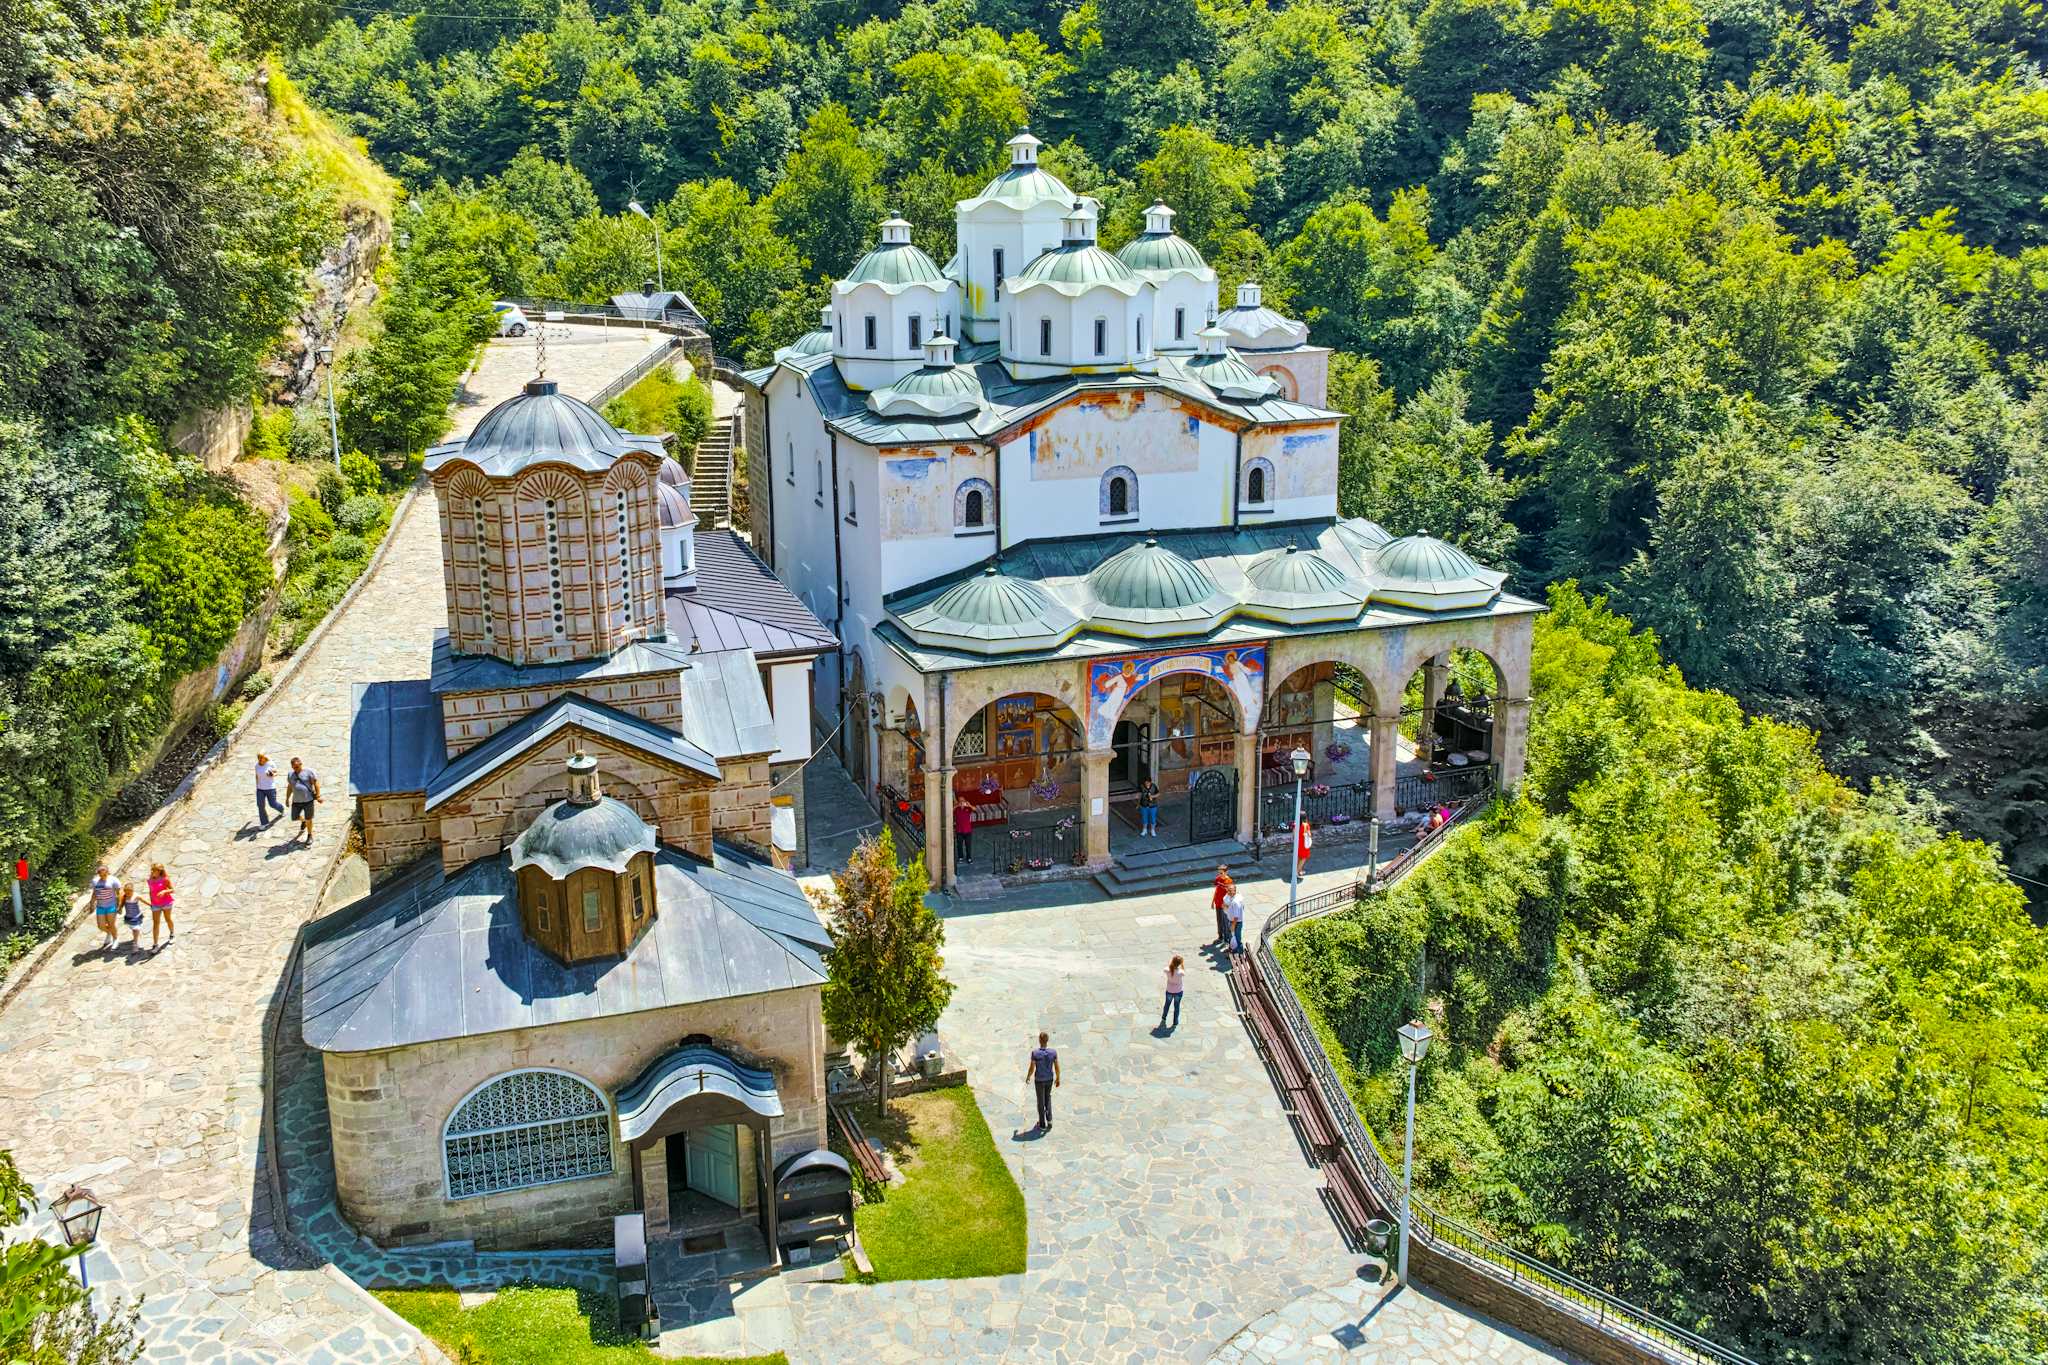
[1338, 751]
[1319, 789]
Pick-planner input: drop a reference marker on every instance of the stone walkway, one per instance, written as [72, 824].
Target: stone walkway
[142, 1076]
[1362, 1322]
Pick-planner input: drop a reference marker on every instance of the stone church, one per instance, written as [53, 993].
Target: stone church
[1076, 529]
[581, 984]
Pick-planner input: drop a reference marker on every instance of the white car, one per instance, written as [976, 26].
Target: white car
[511, 322]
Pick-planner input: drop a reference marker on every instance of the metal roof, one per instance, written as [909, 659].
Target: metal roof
[1150, 577]
[738, 604]
[542, 425]
[1020, 186]
[395, 740]
[1164, 252]
[693, 1069]
[570, 710]
[725, 709]
[1073, 268]
[994, 611]
[430, 957]
[459, 673]
[934, 391]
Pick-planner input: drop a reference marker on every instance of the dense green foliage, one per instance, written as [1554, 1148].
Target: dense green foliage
[1738, 311]
[665, 403]
[44, 1316]
[1752, 1049]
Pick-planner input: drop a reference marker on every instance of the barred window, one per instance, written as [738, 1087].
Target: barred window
[527, 1128]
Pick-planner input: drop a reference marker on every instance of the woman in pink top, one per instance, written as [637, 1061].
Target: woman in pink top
[1176, 979]
[160, 906]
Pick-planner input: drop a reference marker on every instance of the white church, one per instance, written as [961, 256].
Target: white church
[1076, 529]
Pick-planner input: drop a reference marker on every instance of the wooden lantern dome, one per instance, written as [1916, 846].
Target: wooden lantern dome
[586, 872]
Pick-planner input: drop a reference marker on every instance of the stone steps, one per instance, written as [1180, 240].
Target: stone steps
[711, 474]
[1170, 869]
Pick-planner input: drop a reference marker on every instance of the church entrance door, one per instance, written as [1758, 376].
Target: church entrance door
[711, 1162]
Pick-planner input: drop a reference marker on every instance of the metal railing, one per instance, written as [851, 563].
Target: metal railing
[636, 372]
[1438, 1232]
[1442, 786]
[1322, 805]
[1034, 848]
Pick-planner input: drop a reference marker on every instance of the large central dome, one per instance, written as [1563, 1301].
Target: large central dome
[540, 425]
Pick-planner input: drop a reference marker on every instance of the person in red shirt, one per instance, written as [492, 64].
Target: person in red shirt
[1224, 886]
[963, 831]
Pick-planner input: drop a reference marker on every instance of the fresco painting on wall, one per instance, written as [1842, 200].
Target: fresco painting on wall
[1112, 682]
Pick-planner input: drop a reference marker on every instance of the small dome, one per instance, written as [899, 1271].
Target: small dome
[940, 389]
[1160, 250]
[1023, 183]
[1422, 571]
[1149, 589]
[541, 424]
[569, 835]
[1230, 377]
[1077, 264]
[673, 506]
[1297, 585]
[673, 475]
[1251, 326]
[990, 613]
[810, 343]
[895, 263]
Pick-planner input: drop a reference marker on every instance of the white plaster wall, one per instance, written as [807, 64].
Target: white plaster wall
[789, 701]
[893, 355]
[1052, 471]
[1178, 289]
[918, 540]
[1073, 330]
[1022, 236]
[1304, 460]
[804, 534]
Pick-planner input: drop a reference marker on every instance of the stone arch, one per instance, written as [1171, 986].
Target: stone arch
[1284, 378]
[1256, 484]
[1115, 502]
[964, 504]
[858, 711]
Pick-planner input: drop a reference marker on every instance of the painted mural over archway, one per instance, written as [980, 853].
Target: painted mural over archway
[1112, 682]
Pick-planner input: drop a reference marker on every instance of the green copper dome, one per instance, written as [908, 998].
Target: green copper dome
[1231, 378]
[935, 391]
[1422, 571]
[1294, 585]
[1149, 590]
[811, 343]
[570, 835]
[1163, 252]
[1077, 267]
[991, 613]
[894, 263]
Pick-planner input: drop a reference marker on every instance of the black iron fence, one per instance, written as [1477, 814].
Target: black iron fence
[1323, 805]
[1438, 1232]
[909, 835]
[1442, 786]
[1011, 849]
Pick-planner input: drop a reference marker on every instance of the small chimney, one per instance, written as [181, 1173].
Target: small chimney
[582, 779]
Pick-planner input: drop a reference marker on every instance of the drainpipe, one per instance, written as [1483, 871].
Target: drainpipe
[838, 598]
[768, 467]
[945, 811]
[996, 458]
[1236, 473]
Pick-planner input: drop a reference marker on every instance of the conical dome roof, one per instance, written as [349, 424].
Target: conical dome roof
[1422, 571]
[1296, 585]
[1023, 183]
[1148, 589]
[940, 389]
[991, 613]
[541, 424]
[570, 835]
[895, 262]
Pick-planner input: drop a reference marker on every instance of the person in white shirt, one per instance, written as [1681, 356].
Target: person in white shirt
[1233, 910]
[266, 792]
[1176, 983]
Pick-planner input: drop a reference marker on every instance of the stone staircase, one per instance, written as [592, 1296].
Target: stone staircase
[711, 474]
[1171, 869]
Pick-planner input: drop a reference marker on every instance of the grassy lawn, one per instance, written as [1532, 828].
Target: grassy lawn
[532, 1326]
[958, 1213]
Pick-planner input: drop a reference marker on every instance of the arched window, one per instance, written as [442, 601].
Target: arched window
[1258, 482]
[973, 505]
[851, 508]
[1119, 493]
[526, 1128]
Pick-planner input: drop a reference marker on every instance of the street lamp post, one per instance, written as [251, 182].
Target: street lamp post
[1415, 1036]
[660, 280]
[333, 423]
[1299, 758]
[78, 1218]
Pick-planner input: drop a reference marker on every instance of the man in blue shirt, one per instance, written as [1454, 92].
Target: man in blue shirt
[1044, 1073]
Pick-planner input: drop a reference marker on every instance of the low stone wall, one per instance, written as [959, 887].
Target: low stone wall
[1517, 1308]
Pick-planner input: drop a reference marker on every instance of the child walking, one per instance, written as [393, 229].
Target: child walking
[131, 914]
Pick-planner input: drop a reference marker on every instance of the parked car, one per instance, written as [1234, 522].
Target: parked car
[511, 322]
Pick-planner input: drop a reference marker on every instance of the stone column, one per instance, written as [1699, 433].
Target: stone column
[1511, 739]
[653, 1159]
[1095, 801]
[1247, 787]
[1385, 731]
[1435, 674]
[937, 830]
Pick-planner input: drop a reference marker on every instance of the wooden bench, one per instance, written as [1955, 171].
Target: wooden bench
[1275, 1043]
[1352, 1197]
[864, 1156]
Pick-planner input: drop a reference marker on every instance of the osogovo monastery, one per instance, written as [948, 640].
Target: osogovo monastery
[1076, 528]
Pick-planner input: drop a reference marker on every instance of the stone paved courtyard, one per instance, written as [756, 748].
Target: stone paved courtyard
[1170, 1207]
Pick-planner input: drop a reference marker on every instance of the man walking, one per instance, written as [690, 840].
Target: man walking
[268, 807]
[1044, 1073]
[1233, 913]
[1223, 889]
[963, 833]
[303, 786]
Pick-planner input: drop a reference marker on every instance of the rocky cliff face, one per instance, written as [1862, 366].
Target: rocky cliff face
[342, 286]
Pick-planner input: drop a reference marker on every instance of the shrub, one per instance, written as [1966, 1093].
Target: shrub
[361, 473]
[347, 548]
[310, 523]
[331, 488]
[222, 717]
[256, 684]
[199, 570]
[360, 513]
[662, 402]
[136, 800]
[71, 859]
[309, 437]
[269, 435]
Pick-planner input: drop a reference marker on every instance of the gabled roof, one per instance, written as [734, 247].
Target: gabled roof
[395, 738]
[738, 604]
[725, 709]
[568, 711]
[429, 957]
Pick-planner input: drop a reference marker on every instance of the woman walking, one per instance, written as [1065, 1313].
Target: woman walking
[1176, 981]
[160, 907]
[131, 914]
[106, 896]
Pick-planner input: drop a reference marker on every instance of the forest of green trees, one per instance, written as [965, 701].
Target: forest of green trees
[1719, 1033]
[1736, 309]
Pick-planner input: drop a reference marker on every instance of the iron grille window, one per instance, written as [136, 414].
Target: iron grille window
[527, 1128]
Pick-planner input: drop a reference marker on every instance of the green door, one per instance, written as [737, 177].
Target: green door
[714, 1162]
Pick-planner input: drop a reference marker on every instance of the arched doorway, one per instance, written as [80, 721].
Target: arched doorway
[1447, 733]
[858, 712]
[1018, 770]
[1180, 731]
[1325, 710]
